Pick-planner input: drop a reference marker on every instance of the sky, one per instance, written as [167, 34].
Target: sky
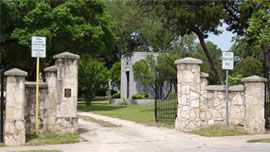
[223, 41]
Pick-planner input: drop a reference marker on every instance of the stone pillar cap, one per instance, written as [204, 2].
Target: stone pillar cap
[254, 78]
[188, 60]
[50, 69]
[204, 75]
[15, 72]
[66, 55]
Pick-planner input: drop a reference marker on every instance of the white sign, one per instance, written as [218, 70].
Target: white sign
[227, 60]
[38, 47]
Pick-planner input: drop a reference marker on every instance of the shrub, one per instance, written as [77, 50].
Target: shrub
[116, 95]
[146, 95]
[235, 79]
[139, 96]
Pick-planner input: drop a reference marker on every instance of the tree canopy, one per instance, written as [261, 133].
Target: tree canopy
[82, 27]
[188, 17]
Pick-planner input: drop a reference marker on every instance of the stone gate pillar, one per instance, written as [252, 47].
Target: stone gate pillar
[254, 100]
[15, 103]
[67, 88]
[50, 76]
[189, 88]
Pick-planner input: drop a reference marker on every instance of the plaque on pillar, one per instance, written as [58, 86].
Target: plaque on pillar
[67, 93]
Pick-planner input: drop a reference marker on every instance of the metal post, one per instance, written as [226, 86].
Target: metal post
[37, 94]
[155, 90]
[2, 88]
[110, 91]
[226, 99]
[2, 104]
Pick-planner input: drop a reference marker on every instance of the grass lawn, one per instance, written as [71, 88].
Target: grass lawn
[264, 140]
[2, 144]
[139, 113]
[50, 138]
[218, 131]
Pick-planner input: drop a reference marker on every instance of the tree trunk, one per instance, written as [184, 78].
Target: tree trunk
[211, 61]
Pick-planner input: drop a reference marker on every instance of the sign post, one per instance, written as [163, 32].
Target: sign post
[227, 64]
[38, 51]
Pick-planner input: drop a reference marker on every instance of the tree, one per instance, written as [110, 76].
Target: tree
[238, 15]
[144, 71]
[215, 55]
[184, 46]
[242, 49]
[137, 29]
[92, 75]
[154, 73]
[82, 27]
[165, 67]
[259, 30]
[166, 74]
[11, 17]
[115, 74]
[189, 17]
[249, 66]
[254, 22]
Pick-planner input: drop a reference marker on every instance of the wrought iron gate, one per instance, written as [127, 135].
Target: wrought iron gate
[165, 101]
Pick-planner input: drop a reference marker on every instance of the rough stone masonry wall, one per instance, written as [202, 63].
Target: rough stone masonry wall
[15, 102]
[200, 104]
[67, 86]
[30, 108]
[57, 100]
[213, 105]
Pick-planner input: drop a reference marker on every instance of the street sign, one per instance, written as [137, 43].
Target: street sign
[38, 51]
[227, 60]
[227, 64]
[38, 47]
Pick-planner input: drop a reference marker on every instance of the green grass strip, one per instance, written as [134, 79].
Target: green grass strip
[219, 131]
[98, 121]
[50, 138]
[264, 140]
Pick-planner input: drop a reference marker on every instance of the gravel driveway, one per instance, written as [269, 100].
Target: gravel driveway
[132, 137]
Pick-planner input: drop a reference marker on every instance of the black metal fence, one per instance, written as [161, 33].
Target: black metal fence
[2, 101]
[267, 95]
[165, 101]
[267, 112]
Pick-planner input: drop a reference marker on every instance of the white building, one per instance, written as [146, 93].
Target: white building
[129, 86]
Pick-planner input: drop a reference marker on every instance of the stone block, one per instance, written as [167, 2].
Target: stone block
[211, 122]
[18, 114]
[10, 113]
[14, 132]
[184, 89]
[183, 100]
[20, 124]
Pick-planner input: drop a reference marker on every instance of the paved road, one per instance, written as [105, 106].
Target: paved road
[132, 137]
